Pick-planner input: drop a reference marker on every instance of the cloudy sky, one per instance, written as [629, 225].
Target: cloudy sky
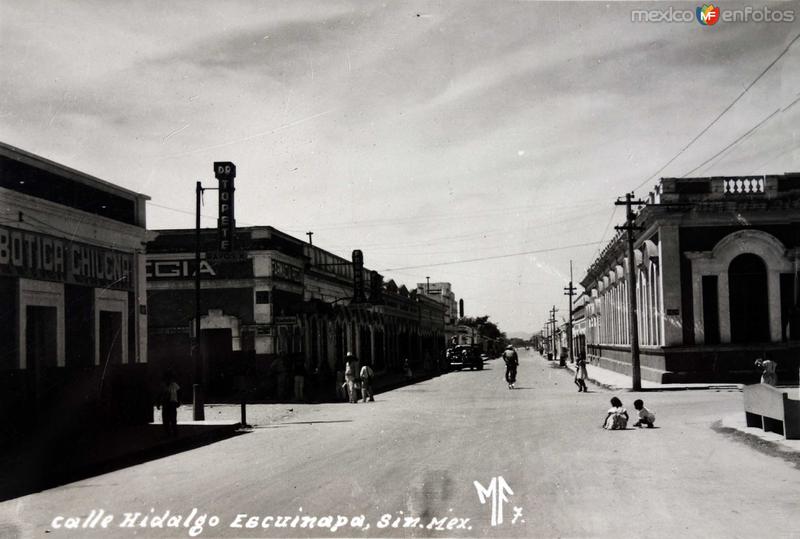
[480, 143]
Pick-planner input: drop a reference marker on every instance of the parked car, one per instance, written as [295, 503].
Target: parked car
[464, 356]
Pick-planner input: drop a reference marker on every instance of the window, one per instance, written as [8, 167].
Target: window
[262, 297]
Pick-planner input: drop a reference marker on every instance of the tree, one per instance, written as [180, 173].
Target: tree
[486, 330]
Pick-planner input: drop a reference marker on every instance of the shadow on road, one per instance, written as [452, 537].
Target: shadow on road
[42, 464]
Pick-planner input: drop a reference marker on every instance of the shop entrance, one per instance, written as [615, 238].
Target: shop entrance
[110, 338]
[216, 347]
[749, 306]
[41, 337]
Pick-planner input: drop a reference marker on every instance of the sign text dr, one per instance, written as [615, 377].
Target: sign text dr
[225, 172]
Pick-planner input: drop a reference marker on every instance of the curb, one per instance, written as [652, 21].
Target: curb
[772, 448]
[664, 387]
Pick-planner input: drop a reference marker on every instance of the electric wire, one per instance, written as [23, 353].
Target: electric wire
[721, 114]
[495, 257]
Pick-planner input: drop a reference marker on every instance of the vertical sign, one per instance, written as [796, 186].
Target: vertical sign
[375, 287]
[225, 172]
[358, 276]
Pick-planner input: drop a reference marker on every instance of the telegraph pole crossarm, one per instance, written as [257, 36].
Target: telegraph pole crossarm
[633, 317]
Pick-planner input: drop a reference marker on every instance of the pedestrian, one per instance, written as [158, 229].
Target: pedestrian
[646, 417]
[299, 372]
[407, 369]
[768, 374]
[169, 402]
[580, 373]
[350, 373]
[341, 383]
[617, 416]
[366, 376]
[512, 362]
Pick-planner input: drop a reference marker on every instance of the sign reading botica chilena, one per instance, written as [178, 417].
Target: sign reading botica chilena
[225, 172]
[40, 256]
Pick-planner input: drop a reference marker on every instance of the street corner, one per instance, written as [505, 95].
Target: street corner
[770, 443]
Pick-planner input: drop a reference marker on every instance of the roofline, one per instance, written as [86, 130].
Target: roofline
[40, 162]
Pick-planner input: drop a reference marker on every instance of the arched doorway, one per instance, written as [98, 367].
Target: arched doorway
[749, 303]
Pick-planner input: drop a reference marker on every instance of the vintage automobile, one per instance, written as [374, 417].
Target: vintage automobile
[464, 356]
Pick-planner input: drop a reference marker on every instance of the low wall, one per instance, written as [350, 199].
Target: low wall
[618, 359]
[701, 364]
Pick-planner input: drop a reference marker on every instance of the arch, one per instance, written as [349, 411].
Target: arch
[649, 252]
[766, 246]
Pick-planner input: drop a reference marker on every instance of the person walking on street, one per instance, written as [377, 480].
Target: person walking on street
[366, 376]
[580, 374]
[350, 373]
[512, 362]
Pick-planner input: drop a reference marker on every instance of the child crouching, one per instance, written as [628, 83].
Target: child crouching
[646, 417]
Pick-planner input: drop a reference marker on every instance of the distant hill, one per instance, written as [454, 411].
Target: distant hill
[519, 335]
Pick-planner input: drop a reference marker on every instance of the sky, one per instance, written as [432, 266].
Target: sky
[477, 143]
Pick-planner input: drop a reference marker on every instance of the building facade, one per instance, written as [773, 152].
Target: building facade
[716, 265]
[74, 315]
[443, 293]
[279, 306]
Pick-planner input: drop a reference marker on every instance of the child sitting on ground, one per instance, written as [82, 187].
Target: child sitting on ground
[646, 417]
[617, 417]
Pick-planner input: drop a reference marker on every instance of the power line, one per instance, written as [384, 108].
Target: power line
[495, 257]
[747, 135]
[475, 237]
[721, 114]
[605, 230]
[735, 142]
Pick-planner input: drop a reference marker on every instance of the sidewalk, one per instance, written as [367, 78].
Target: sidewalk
[622, 382]
[40, 461]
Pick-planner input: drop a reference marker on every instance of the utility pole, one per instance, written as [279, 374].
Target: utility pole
[546, 330]
[428, 286]
[570, 291]
[553, 312]
[633, 318]
[309, 234]
[198, 410]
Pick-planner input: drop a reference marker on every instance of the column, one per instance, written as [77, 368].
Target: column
[774, 297]
[697, 300]
[670, 259]
[723, 294]
[372, 344]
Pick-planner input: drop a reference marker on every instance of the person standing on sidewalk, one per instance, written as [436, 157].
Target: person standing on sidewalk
[169, 403]
[366, 376]
[580, 373]
[341, 383]
[768, 374]
[299, 368]
[350, 373]
[512, 362]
